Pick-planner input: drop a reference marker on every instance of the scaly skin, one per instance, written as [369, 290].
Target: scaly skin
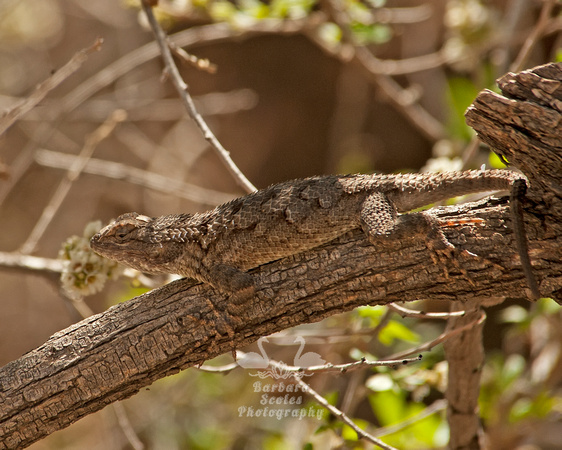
[220, 245]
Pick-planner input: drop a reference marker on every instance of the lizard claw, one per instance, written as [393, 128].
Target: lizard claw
[451, 255]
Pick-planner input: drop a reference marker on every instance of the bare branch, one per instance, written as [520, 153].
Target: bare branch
[187, 100]
[134, 175]
[30, 262]
[406, 312]
[341, 415]
[378, 71]
[413, 14]
[538, 31]
[465, 357]
[92, 141]
[126, 426]
[443, 337]
[339, 368]
[46, 86]
[435, 407]
[200, 63]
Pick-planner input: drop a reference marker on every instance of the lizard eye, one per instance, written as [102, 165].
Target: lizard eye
[123, 232]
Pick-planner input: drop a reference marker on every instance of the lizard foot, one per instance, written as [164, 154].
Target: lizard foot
[442, 252]
[443, 257]
[223, 326]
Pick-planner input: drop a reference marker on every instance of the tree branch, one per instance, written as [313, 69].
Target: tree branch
[110, 356]
[187, 100]
[41, 91]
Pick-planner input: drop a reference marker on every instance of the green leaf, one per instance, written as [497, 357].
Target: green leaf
[222, 10]
[348, 433]
[129, 292]
[293, 9]
[254, 8]
[461, 94]
[372, 312]
[548, 306]
[495, 161]
[538, 407]
[389, 406]
[397, 330]
[513, 368]
[371, 33]
[376, 3]
[330, 33]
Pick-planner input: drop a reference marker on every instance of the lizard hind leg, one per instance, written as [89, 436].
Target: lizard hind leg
[380, 220]
[378, 216]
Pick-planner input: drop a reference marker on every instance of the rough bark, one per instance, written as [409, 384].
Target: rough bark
[525, 126]
[110, 356]
[465, 357]
[517, 129]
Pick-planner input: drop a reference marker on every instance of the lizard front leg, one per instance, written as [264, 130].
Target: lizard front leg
[231, 280]
[239, 286]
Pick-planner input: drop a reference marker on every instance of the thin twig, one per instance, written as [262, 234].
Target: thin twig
[143, 109]
[535, 35]
[28, 262]
[134, 175]
[470, 152]
[181, 87]
[199, 63]
[341, 368]
[436, 406]
[382, 324]
[402, 100]
[55, 265]
[341, 415]
[46, 267]
[406, 312]
[404, 66]
[403, 15]
[125, 425]
[49, 84]
[351, 397]
[213, 33]
[297, 375]
[441, 338]
[394, 93]
[102, 132]
[219, 369]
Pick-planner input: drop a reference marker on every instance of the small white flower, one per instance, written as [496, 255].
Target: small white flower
[85, 272]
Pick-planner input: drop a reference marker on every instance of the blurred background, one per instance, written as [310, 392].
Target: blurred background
[301, 88]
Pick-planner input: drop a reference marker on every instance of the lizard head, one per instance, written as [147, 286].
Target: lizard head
[130, 239]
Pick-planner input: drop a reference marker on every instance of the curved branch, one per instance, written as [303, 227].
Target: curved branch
[110, 356]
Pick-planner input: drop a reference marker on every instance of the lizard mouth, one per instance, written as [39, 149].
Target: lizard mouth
[100, 246]
[95, 242]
